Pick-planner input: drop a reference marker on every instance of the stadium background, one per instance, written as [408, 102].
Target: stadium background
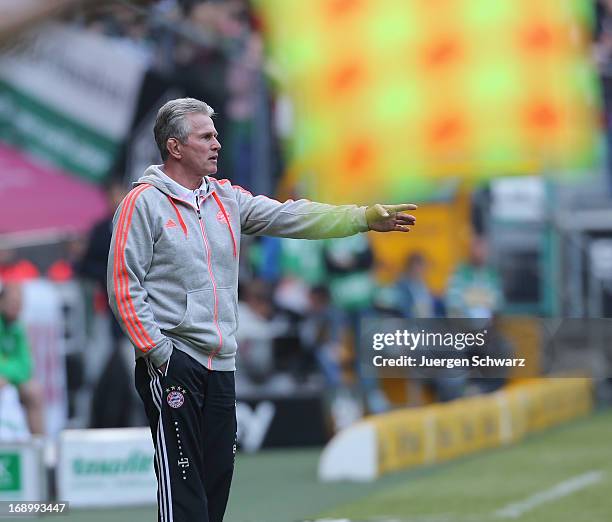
[492, 116]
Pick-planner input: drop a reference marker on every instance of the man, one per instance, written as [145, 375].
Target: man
[172, 284]
[414, 298]
[15, 356]
[475, 290]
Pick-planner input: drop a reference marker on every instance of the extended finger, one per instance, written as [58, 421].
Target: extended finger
[405, 218]
[401, 208]
[402, 228]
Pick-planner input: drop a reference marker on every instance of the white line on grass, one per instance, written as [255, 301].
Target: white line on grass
[422, 518]
[331, 520]
[562, 489]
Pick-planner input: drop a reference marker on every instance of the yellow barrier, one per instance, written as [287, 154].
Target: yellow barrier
[441, 432]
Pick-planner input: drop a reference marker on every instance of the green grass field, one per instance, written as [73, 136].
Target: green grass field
[564, 475]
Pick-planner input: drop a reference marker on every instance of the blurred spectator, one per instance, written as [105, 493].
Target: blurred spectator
[260, 326]
[410, 297]
[244, 68]
[322, 334]
[274, 258]
[292, 295]
[115, 379]
[264, 253]
[349, 262]
[447, 386]
[63, 269]
[94, 261]
[15, 357]
[492, 379]
[419, 300]
[15, 269]
[303, 259]
[603, 60]
[475, 290]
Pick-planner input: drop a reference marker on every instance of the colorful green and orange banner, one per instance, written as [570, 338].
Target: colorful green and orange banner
[393, 98]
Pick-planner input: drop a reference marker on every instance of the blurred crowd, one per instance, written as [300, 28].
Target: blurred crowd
[301, 303]
[209, 50]
[301, 307]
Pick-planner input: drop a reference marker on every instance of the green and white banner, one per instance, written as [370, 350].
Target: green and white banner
[22, 472]
[67, 96]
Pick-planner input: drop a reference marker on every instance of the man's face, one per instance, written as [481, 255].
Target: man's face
[115, 196]
[201, 151]
[479, 252]
[418, 269]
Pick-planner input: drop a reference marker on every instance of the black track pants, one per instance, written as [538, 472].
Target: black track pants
[192, 414]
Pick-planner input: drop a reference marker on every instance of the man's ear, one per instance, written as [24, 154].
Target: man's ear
[173, 147]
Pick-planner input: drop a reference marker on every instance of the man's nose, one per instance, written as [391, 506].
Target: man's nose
[217, 144]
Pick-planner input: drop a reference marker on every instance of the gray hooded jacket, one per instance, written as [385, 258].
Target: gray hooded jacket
[173, 267]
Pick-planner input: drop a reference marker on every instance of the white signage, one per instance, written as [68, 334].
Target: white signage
[109, 467]
[253, 424]
[600, 252]
[22, 472]
[518, 198]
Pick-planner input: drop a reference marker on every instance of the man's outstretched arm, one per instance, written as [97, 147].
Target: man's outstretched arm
[303, 219]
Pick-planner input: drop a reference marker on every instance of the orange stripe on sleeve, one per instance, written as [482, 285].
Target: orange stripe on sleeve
[116, 275]
[123, 269]
[121, 281]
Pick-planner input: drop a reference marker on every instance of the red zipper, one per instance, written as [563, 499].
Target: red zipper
[212, 277]
[222, 208]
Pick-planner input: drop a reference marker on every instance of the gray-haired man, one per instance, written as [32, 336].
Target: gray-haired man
[172, 284]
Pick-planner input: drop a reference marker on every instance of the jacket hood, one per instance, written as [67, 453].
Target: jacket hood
[152, 177]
